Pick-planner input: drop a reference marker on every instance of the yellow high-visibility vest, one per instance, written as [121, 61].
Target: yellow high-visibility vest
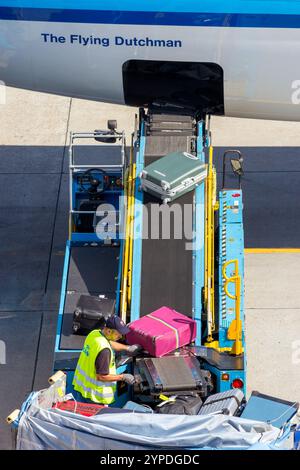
[85, 378]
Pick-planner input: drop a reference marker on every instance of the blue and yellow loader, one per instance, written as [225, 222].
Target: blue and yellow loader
[115, 251]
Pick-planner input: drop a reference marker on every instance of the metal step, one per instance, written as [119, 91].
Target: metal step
[173, 132]
[170, 124]
[163, 144]
[156, 117]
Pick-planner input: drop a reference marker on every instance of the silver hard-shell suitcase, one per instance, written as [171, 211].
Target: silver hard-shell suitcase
[227, 403]
[173, 175]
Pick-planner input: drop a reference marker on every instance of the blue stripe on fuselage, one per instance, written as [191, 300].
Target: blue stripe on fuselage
[284, 7]
[151, 18]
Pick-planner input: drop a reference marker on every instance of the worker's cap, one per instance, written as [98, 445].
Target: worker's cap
[116, 323]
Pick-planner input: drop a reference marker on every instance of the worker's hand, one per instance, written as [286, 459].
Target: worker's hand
[128, 378]
[134, 350]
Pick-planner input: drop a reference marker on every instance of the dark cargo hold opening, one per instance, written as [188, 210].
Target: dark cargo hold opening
[181, 87]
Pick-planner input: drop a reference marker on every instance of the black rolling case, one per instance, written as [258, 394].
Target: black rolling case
[91, 310]
[173, 375]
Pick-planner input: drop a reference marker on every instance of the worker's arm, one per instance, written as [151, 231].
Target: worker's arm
[110, 378]
[102, 368]
[131, 350]
[118, 346]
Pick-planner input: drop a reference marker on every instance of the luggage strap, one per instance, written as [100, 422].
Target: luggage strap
[169, 326]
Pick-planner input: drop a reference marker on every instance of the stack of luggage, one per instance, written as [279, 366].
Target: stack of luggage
[170, 376]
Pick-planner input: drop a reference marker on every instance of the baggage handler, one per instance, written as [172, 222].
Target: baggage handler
[95, 378]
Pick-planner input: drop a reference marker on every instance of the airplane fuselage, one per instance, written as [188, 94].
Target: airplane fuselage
[247, 50]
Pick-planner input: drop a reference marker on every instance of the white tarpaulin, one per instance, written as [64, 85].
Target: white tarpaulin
[44, 428]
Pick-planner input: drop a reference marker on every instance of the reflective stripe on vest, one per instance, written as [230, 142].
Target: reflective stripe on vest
[98, 383]
[85, 377]
[90, 390]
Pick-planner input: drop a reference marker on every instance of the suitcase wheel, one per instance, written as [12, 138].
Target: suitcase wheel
[77, 312]
[76, 327]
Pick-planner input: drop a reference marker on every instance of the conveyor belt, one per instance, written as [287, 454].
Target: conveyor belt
[167, 266]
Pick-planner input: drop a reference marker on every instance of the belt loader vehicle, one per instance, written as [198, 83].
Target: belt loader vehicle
[193, 263]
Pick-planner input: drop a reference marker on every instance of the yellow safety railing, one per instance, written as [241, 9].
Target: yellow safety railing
[210, 207]
[235, 329]
[128, 243]
[131, 235]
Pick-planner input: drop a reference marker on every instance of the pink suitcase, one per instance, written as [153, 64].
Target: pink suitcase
[162, 331]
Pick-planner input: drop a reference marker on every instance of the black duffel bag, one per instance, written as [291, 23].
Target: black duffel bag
[185, 403]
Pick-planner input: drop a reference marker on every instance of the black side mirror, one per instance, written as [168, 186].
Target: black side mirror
[237, 167]
[112, 127]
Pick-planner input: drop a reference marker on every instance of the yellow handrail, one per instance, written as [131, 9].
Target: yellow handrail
[131, 235]
[235, 328]
[127, 257]
[210, 201]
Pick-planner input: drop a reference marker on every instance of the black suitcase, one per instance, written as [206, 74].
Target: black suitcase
[188, 403]
[91, 311]
[173, 375]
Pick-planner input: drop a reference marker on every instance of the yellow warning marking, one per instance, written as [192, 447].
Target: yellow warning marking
[272, 250]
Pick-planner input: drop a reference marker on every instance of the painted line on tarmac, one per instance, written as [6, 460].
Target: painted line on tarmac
[272, 250]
